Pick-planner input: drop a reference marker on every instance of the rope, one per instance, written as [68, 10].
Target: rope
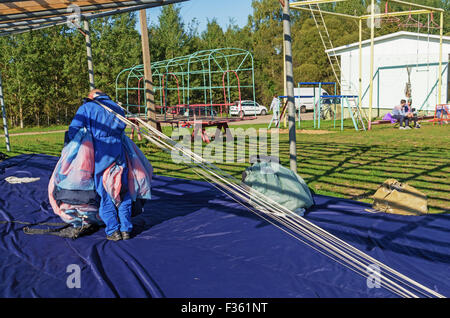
[29, 223]
[59, 229]
[17, 180]
[286, 220]
[27, 230]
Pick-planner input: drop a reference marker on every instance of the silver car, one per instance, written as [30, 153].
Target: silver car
[246, 108]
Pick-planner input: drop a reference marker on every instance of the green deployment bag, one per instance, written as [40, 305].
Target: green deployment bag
[280, 184]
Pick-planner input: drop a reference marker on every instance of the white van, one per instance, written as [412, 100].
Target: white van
[307, 103]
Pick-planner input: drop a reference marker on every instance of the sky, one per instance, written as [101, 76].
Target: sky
[203, 10]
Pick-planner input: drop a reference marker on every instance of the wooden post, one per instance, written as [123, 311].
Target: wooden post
[148, 85]
[5, 120]
[372, 60]
[89, 54]
[289, 78]
[441, 58]
[284, 88]
[360, 68]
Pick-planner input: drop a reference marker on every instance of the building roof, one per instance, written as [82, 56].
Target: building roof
[22, 16]
[389, 37]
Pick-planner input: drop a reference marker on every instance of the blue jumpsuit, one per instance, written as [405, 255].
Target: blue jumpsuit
[107, 132]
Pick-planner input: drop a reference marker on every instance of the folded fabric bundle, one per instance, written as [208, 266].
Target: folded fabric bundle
[280, 184]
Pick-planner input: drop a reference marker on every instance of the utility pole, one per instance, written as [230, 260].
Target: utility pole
[441, 34]
[372, 37]
[284, 88]
[87, 37]
[148, 86]
[289, 82]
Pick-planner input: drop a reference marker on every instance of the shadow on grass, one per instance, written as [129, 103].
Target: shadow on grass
[337, 161]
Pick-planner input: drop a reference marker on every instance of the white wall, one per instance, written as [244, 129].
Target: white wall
[402, 50]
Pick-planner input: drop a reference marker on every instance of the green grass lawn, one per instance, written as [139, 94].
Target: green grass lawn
[345, 164]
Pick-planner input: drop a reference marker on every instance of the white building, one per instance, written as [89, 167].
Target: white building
[392, 54]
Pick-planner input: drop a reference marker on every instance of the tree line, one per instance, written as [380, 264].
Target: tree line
[44, 72]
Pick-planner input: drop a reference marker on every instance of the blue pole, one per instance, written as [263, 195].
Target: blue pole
[320, 104]
[314, 105]
[335, 108]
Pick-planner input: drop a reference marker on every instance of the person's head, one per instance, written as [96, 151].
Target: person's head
[409, 102]
[94, 93]
[403, 102]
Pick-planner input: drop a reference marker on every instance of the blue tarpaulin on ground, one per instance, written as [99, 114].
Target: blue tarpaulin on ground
[194, 241]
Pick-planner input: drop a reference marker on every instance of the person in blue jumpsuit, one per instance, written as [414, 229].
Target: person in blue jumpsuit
[107, 132]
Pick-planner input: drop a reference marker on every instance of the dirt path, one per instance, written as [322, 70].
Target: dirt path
[259, 120]
[267, 118]
[308, 132]
[35, 133]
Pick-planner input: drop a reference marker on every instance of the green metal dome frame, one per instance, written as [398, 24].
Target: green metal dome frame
[202, 79]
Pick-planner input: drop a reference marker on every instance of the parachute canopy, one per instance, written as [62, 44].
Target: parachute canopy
[71, 188]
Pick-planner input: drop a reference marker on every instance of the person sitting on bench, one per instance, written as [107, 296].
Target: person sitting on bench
[398, 113]
[410, 114]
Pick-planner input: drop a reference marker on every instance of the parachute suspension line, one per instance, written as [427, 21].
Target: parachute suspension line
[361, 270]
[288, 221]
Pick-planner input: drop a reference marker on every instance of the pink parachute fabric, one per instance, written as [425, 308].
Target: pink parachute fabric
[112, 182]
[139, 173]
[139, 176]
[71, 188]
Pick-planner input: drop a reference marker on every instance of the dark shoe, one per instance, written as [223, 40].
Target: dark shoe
[125, 235]
[114, 237]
